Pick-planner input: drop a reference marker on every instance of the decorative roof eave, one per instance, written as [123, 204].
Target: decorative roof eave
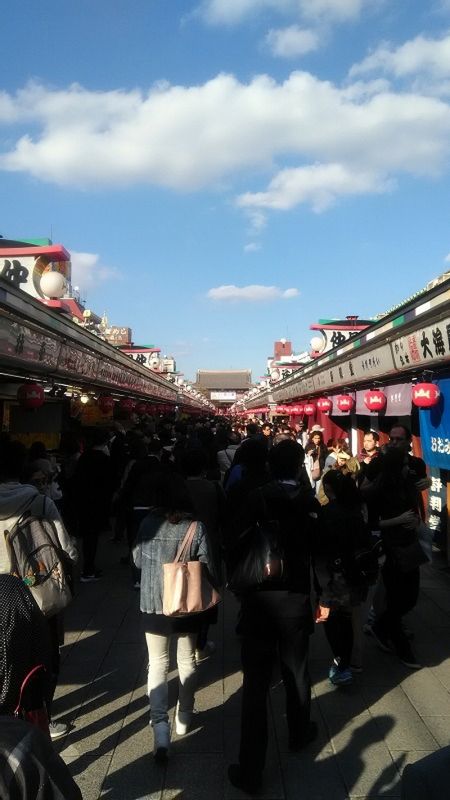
[373, 355]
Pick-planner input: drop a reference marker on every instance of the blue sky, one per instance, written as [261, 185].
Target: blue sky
[226, 172]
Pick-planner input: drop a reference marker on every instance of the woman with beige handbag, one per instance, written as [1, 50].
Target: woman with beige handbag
[168, 541]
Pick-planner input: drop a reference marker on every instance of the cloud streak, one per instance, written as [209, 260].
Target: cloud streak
[233, 12]
[88, 271]
[292, 41]
[251, 294]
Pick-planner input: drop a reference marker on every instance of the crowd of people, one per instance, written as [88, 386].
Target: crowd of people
[330, 526]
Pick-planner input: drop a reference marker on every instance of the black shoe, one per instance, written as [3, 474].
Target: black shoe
[381, 640]
[297, 743]
[91, 577]
[249, 784]
[408, 658]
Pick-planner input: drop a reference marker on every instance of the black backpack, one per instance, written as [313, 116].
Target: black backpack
[258, 557]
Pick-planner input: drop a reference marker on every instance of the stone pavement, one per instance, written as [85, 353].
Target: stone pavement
[369, 731]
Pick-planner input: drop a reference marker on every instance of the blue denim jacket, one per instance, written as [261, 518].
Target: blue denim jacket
[157, 544]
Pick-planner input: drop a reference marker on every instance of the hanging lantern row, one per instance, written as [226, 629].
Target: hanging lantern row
[424, 395]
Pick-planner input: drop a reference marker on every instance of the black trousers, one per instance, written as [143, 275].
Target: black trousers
[339, 632]
[402, 591]
[54, 627]
[269, 634]
[90, 543]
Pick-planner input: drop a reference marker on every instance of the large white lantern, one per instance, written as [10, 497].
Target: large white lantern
[317, 344]
[53, 284]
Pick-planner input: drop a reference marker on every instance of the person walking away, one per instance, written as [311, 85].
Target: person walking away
[392, 486]
[159, 537]
[276, 616]
[17, 499]
[209, 503]
[94, 487]
[226, 456]
[343, 533]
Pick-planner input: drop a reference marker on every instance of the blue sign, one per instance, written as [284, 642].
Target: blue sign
[435, 429]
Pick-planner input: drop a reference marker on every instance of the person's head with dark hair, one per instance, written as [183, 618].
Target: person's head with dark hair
[169, 497]
[252, 455]
[341, 488]
[400, 437]
[371, 441]
[70, 444]
[13, 456]
[315, 438]
[99, 437]
[286, 459]
[34, 475]
[137, 448]
[252, 429]
[266, 429]
[37, 450]
[154, 447]
[194, 463]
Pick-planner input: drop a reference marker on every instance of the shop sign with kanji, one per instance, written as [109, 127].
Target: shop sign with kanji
[361, 366]
[423, 346]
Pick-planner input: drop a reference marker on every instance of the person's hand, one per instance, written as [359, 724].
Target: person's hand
[409, 520]
[322, 613]
[422, 484]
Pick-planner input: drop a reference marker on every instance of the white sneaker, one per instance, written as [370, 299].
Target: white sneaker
[57, 730]
[183, 721]
[161, 734]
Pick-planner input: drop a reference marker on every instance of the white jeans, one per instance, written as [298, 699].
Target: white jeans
[158, 669]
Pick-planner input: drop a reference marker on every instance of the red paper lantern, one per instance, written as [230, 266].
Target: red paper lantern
[375, 400]
[309, 409]
[31, 395]
[105, 403]
[324, 405]
[127, 404]
[425, 395]
[280, 410]
[296, 410]
[345, 402]
[141, 408]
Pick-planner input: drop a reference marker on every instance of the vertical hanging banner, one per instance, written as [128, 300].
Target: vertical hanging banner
[436, 513]
[435, 429]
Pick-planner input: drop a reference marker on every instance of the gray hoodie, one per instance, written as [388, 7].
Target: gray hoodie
[15, 499]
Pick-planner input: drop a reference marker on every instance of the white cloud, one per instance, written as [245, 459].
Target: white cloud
[358, 136]
[318, 185]
[421, 55]
[231, 12]
[447, 258]
[88, 272]
[252, 247]
[292, 41]
[255, 293]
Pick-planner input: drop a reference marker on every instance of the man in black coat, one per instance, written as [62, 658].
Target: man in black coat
[276, 616]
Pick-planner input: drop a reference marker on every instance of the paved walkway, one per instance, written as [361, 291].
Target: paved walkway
[389, 717]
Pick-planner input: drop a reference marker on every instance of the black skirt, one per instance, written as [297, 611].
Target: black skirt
[166, 626]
